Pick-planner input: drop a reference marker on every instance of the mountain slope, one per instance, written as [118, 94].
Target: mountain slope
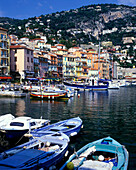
[109, 22]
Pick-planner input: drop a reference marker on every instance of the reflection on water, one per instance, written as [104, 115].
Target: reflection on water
[20, 108]
[109, 113]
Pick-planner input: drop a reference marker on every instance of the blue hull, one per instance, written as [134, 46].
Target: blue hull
[11, 134]
[67, 127]
[36, 154]
[86, 87]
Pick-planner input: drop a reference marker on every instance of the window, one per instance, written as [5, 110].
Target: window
[15, 67]
[15, 50]
[2, 36]
[16, 124]
[31, 60]
[15, 59]
[27, 59]
[1, 62]
[31, 52]
[27, 51]
[32, 124]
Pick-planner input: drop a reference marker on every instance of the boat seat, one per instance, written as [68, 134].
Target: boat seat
[95, 165]
[114, 161]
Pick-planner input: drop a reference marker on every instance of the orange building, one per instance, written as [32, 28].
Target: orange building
[53, 66]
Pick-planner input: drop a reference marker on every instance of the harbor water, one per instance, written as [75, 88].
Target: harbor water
[108, 113]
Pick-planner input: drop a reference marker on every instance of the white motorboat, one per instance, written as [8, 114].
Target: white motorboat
[113, 85]
[21, 125]
[5, 119]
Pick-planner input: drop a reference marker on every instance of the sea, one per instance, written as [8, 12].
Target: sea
[104, 113]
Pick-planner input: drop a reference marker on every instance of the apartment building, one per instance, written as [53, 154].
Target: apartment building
[22, 61]
[44, 60]
[52, 71]
[69, 65]
[4, 54]
[60, 65]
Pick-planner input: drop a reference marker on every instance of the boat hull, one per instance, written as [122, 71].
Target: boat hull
[83, 87]
[10, 134]
[70, 127]
[47, 96]
[35, 154]
[104, 147]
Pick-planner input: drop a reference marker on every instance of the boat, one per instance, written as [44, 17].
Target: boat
[47, 95]
[4, 119]
[70, 127]
[92, 85]
[75, 85]
[103, 154]
[113, 85]
[8, 93]
[43, 152]
[18, 126]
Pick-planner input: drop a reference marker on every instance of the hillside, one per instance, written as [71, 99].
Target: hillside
[109, 22]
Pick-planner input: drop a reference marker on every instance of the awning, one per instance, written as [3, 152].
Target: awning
[5, 77]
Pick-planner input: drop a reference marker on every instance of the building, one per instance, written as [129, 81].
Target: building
[36, 65]
[4, 55]
[79, 66]
[53, 70]
[60, 65]
[69, 65]
[22, 61]
[44, 60]
[84, 61]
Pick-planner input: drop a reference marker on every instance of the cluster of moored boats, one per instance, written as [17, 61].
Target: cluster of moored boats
[48, 145]
[45, 92]
[61, 91]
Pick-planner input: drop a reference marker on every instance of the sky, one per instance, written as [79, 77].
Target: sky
[23, 9]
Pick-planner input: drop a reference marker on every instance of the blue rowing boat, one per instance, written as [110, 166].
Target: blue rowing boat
[70, 127]
[103, 154]
[43, 152]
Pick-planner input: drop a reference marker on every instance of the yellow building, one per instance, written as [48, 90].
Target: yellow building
[69, 65]
[79, 66]
[82, 63]
[4, 52]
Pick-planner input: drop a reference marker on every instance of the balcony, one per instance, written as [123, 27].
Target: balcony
[3, 39]
[69, 66]
[4, 56]
[4, 48]
[79, 70]
[79, 64]
[3, 66]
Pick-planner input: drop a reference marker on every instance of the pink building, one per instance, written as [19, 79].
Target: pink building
[22, 61]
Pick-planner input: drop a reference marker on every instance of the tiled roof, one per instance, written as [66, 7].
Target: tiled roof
[3, 29]
[19, 47]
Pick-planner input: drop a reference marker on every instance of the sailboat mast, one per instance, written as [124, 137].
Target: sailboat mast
[99, 61]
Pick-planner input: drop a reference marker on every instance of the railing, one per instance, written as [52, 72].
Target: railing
[79, 64]
[3, 65]
[3, 39]
[79, 70]
[4, 56]
[4, 48]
